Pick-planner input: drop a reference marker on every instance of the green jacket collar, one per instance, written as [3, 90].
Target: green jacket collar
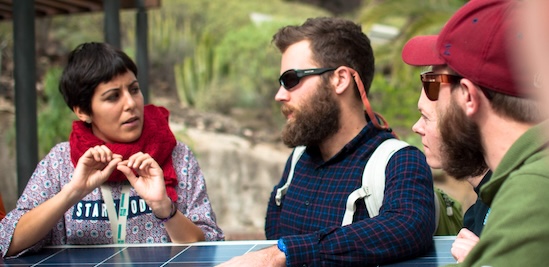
[529, 147]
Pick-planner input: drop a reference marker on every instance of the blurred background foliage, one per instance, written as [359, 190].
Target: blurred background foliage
[217, 55]
[395, 89]
[54, 118]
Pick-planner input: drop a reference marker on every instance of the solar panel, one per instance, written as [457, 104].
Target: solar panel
[197, 254]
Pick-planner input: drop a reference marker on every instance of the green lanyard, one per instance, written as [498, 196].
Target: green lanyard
[118, 223]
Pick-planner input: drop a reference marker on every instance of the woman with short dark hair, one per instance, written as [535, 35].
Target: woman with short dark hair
[121, 178]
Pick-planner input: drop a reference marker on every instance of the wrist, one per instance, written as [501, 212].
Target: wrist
[71, 194]
[282, 248]
[162, 208]
[171, 215]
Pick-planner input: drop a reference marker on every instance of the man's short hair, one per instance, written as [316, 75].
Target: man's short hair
[334, 42]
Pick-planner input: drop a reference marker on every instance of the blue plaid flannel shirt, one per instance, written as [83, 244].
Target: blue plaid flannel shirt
[309, 218]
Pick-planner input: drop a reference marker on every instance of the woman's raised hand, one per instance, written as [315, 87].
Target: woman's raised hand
[93, 169]
[149, 181]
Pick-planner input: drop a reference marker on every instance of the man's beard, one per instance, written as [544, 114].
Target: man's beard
[315, 121]
[462, 151]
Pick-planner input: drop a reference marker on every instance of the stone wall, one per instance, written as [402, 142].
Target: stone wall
[240, 177]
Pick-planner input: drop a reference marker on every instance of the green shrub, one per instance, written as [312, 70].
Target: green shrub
[54, 117]
[252, 63]
[397, 104]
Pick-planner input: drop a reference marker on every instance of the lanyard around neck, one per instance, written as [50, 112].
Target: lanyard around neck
[118, 223]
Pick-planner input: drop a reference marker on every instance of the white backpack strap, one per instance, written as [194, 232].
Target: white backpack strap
[373, 180]
[280, 192]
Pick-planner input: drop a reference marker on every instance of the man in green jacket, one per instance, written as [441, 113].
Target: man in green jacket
[489, 117]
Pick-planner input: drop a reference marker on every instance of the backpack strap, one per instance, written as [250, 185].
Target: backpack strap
[373, 180]
[280, 192]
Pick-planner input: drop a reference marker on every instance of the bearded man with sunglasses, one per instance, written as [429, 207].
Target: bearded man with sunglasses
[327, 67]
[488, 116]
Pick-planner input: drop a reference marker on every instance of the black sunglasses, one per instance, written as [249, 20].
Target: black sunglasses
[431, 83]
[291, 78]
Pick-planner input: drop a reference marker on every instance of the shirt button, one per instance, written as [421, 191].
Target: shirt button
[307, 203]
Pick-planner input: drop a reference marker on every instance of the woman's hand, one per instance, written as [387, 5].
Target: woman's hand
[150, 185]
[149, 182]
[465, 241]
[92, 170]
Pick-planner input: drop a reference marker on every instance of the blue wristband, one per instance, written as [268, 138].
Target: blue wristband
[282, 246]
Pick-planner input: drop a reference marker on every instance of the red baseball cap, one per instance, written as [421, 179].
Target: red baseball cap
[476, 43]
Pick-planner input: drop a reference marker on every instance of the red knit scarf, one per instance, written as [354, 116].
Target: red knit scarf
[156, 139]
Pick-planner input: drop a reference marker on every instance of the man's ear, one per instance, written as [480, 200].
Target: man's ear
[473, 97]
[81, 115]
[342, 80]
